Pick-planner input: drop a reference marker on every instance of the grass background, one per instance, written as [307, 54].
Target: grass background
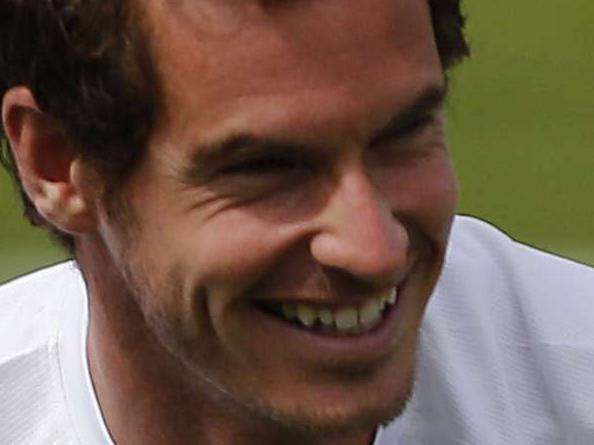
[521, 132]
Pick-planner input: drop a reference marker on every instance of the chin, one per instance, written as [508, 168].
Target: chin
[315, 415]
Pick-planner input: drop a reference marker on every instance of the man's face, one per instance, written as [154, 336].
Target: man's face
[300, 167]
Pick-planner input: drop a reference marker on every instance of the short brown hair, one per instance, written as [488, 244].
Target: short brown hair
[88, 65]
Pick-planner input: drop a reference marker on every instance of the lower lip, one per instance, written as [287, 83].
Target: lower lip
[363, 347]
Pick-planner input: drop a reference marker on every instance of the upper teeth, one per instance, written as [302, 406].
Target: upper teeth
[347, 319]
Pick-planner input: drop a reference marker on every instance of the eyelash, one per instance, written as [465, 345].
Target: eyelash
[409, 129]
[417, 125]
[260, 165]
[412, 128]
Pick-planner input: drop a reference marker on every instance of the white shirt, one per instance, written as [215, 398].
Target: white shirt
[506, 353]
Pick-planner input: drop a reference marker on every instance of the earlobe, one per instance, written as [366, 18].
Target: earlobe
[63, 204]
[49, 168]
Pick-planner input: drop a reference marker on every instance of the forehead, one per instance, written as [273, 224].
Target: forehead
[275, 59]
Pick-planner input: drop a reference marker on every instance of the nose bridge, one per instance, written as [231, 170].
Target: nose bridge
[359, 231]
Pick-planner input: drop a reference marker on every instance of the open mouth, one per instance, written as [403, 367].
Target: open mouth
[343, 320]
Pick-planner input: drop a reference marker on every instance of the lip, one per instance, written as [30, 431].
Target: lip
[323, 347]
[326, 303]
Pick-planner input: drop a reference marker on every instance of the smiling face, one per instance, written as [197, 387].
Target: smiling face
[292, 211]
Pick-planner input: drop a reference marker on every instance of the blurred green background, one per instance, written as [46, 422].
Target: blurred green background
[521, 131]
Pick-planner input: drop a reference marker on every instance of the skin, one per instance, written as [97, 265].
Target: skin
[313, 201]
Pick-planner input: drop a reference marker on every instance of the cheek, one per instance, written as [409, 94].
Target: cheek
[424, 191]
[214, 259]
[236, 249]
[441, 188]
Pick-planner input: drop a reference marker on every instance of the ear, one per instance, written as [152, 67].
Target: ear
[50, 170]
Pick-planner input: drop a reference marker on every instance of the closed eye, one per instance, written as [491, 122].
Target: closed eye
[260, 166]
[406, 129]
[412, 127]
[409, 122]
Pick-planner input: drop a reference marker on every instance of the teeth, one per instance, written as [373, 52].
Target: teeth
[306, 315]
[289, 311]
[392, 296]
[371, 313]
[345, 320]
[326, 317]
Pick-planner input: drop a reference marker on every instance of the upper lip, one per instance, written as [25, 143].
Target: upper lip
[330, 301]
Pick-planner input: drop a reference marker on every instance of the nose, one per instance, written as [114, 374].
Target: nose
[359, 233]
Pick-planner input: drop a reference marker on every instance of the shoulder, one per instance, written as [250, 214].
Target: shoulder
[31, 305]
[474, 236]
[506, 349]
[31, 310]
[553, 292]
[516, 292]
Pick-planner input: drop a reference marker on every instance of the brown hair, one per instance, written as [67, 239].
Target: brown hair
[88, 64]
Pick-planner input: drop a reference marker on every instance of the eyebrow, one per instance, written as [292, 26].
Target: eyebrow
[242, 144]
